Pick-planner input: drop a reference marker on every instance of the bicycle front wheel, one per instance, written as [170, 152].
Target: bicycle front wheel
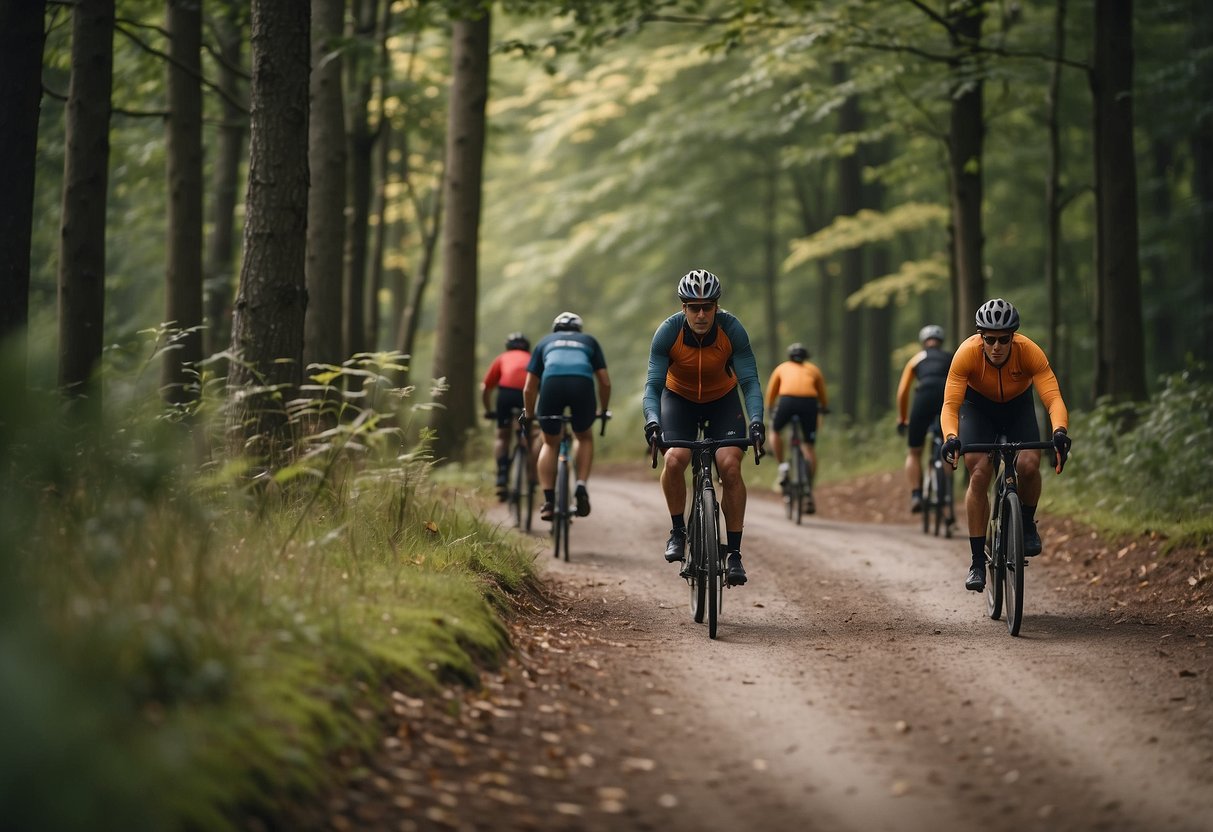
[928, 498]
[710, 542]
[1012, 535]
[994, 563]
[800, 487]
[698, 567]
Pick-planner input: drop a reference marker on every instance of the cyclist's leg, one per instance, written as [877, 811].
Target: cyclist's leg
[977, 425]
[582, 405]
[551, 403]
[726, 420]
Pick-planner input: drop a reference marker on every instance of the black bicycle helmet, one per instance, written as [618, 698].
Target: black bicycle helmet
[699, 284]
[517, 341]
[997, 314]
[798, 352]
[567, 322]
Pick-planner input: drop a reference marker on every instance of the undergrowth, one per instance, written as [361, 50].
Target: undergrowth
[186, 638]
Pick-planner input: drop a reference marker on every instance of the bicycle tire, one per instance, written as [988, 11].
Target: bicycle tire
[949, 516]
[559, 517]
[529, 513]
[695, 550]
[939, 504]
[711, 557]
[801, 482]
[928, 488]
[1012, 535]
[517, 471]
[994, 561]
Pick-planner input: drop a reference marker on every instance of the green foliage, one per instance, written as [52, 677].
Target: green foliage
[185, 639]
[1144, 467]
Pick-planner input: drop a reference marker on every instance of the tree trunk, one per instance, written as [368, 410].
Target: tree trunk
[770, 264]
[850, 196]
[965, 136]
[455, 344]
[1053, 181]
[267, 327]
[323, 342]
[880, 341]
[22, 33]
[183, 152]
[361, 145]
[1120, 351]
[225, 178]
[1200, 142]
[85, 187]
[381, 175]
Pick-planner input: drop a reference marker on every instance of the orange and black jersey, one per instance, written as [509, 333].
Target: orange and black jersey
[930, 367]
[1026, 366]
[796, 378]
[702, 369]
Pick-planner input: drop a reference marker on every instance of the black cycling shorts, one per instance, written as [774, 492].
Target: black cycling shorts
[724, 418]
[924, 414]
[803, 406]
[509, 403]
[983, 420]
[573, 392]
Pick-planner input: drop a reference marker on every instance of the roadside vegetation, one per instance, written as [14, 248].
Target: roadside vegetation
[185, 641]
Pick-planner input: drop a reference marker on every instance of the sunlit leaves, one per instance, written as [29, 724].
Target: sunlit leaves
[864, 227]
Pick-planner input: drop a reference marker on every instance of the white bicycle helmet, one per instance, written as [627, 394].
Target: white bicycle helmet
[930, 331]
[997, 314]
[567, 322]
[699, 284]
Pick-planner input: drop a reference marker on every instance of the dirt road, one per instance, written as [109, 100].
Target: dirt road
[855, 685]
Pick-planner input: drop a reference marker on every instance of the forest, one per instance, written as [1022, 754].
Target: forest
[257, 254]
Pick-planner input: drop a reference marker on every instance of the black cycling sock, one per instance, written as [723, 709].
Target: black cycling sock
[1029, 514]
[978, 547]
[678, 522]
[549, 495]
[734, 541]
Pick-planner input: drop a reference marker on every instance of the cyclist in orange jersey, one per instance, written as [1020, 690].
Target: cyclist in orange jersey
[507, 375]
[988, 394]
[797, 388]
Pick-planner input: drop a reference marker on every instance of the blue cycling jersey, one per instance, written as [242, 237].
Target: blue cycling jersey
[567, 354]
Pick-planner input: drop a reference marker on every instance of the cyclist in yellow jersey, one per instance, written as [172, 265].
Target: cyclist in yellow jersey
[929, 367]
[797, 388]
[988, 393]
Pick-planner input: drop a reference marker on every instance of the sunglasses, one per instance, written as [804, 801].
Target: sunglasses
[991, 340]
[696, 308]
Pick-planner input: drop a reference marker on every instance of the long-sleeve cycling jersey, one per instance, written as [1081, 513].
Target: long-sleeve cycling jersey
[930, 366]
[702, 369]
[796, 378]
[1026, 365]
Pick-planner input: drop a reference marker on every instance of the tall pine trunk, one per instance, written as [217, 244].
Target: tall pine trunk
[455, 347]
[850, 195]
[360, 73]
[267, 328]
[966, 134]
[1120, 350]
[22, 33]
[1053, 182]
[322, 342]
[217, 289]
[85, 187]
[183, 151]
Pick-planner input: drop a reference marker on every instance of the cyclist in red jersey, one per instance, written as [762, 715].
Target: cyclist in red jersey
[507, 374]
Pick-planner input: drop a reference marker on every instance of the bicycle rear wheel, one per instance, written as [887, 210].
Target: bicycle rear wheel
[1012, 535]
[710, 546]
[800, 485]
[938, 502]
[928, 497]
[945, 499]
[517, 481]
[994, 562]
[560, 514]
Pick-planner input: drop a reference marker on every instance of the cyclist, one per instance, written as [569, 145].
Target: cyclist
[930, 366]
[507, 374]
[797, 387]
[988, 393]
[564, 368]
[698, 358]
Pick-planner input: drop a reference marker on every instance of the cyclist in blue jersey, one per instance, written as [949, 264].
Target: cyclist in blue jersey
[699, 357]
[564, 368]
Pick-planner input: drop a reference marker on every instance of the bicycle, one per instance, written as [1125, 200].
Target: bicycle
[518, 497]
[798, 490]
[562, 513]
[937, 507]
[1004, 532]
[705, 566]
